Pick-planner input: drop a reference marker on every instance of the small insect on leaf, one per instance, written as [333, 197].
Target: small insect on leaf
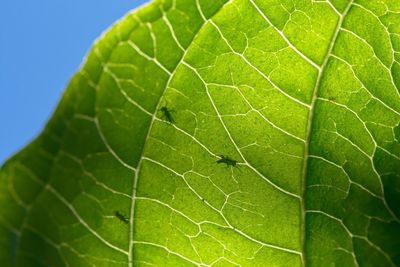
[227, 160]
[167, 114]
[121, 217]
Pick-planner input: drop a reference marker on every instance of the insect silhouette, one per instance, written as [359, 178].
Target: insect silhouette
[121, 217]
[227, 160]
[167, 114]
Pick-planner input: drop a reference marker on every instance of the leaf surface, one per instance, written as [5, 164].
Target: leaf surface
[219, 133]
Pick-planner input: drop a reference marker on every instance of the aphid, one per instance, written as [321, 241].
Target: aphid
[121, 217]
[167, 114]
[227, 160]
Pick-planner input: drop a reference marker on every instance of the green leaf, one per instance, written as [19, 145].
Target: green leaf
[219, 133]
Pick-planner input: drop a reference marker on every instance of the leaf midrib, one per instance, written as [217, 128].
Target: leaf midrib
[309, 130]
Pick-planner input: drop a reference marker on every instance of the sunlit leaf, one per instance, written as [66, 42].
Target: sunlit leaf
[219, 133]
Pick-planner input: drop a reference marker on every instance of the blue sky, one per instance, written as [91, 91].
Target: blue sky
[42, 44]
